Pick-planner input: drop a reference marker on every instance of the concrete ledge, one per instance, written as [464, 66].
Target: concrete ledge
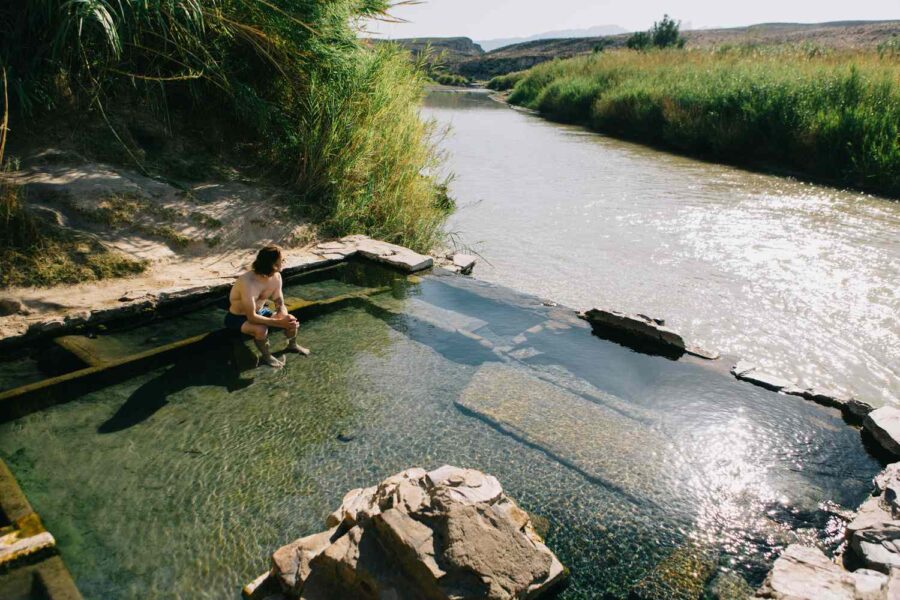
[28, 565]
[854, 411]
[36, 396]
[188, 297]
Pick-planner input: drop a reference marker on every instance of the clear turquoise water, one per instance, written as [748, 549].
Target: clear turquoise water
[179, 483]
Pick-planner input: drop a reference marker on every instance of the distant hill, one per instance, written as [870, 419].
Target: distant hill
[453, 49]
[842, 34]
[597, 31]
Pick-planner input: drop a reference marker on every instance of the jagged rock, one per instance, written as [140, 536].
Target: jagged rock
[878, 546]
[804, 573]
[887, 485]
[290, 563]
[871, 513]
[448, 533]
[884, 425]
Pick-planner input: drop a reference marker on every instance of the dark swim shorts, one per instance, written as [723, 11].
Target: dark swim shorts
[235, 322]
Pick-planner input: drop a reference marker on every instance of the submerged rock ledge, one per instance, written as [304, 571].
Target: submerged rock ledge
[448, 533]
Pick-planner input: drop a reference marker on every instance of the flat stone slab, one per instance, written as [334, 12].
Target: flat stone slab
[640, 326]
[884, 425]
[391, 254]
[575, 431]
[464, 262]
[766, 380]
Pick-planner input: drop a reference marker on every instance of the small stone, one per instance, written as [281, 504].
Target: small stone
[346, 436]
[464, 262]
[765, 380]
[10, 306]
[878, 547]
[742, 367]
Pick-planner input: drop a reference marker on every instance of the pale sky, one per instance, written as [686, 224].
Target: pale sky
[487, 19]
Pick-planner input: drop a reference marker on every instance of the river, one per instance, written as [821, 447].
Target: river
[801, 279]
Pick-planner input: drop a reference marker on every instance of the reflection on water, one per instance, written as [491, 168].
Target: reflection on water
[180, 482]
[801, 279]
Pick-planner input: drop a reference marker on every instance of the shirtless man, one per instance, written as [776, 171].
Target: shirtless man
[247, 312]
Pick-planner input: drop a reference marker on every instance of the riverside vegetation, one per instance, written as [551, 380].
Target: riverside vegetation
[283, 87]
[830, 114]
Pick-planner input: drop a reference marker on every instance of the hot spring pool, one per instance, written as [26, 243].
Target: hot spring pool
[180, 482]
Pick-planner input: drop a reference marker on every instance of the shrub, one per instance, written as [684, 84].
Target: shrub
[285, 81]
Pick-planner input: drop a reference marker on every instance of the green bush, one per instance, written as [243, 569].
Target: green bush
[663, 34]
[835, 116]
[286, 81]
[502, 83]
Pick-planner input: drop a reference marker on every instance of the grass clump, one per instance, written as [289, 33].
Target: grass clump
[502, 83]
[34, 252]
[285, 84]
[831, 115]
[445, 78]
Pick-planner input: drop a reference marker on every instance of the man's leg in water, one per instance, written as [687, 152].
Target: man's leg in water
[292, 345]
[260, 335]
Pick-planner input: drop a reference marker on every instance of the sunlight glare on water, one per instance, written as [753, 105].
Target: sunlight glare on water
[803, 280]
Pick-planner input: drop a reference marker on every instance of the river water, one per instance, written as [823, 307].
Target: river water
[801, 279]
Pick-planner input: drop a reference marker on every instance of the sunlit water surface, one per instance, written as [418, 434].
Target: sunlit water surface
[801, 279]
[180, 482]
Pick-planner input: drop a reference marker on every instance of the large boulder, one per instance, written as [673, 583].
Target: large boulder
[884, 425]
[804, 573]
[448, 533]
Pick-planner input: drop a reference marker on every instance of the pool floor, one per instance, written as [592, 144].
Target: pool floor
[181, 482]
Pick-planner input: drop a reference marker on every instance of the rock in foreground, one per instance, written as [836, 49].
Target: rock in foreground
[448, 533]
[803, 573]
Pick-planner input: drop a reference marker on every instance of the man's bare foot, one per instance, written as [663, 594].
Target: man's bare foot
[272, 361]
[297, 349]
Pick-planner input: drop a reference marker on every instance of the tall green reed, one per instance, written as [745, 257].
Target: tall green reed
[828, 114]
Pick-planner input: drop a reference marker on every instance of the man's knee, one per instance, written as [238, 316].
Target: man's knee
[261, 333]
